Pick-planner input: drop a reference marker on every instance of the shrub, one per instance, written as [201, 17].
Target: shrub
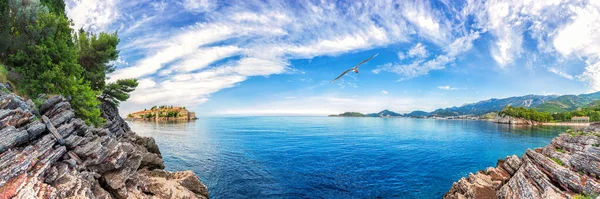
[558, 161]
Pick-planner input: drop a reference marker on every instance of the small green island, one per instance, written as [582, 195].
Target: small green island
[163, 113]
[349, 114]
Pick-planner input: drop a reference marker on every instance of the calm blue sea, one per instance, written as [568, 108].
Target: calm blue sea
[323, 157]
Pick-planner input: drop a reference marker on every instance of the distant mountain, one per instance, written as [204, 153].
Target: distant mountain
[417, 114]
[491, 105]
[349, 114]
[568, 102]
[385, 113]
[545, 103]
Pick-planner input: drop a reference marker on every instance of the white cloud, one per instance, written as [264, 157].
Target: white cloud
[187, 63]
[384, 92]
[418, 51]
[401, 55]
[591, 76]
[92, 14]
[448, 88]
[421, 67]
[560, 73]
[199, 5]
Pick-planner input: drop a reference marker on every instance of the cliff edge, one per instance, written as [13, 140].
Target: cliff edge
[568, 167]
[45, 152]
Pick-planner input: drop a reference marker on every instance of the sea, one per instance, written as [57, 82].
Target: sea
[337, 157]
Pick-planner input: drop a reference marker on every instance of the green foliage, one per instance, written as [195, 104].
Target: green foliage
[595, 145]
[55, 6]
[85, 103]
[95, 54]
[49, 65]
[525, 113]
[173, 113]
[3, 73]
[558, 161]
[582, 196]
[18, 30]
[4, 28]
[117, 92]
[149, 115]
[566, 103]
[490, 115]
[592, 110]
[580, 172]
[560, 150]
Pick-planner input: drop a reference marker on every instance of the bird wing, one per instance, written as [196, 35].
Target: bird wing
[366, 60]
[341, 75]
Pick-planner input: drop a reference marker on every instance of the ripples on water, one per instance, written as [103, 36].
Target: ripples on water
[323, 157]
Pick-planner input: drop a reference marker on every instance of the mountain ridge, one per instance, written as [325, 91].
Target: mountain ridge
[543, 103]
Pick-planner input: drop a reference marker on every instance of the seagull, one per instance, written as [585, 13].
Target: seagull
[355, 68]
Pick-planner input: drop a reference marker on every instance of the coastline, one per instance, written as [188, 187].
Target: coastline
[47, 152]
[565, 168]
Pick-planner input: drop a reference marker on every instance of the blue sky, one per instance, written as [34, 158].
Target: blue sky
[277, 57]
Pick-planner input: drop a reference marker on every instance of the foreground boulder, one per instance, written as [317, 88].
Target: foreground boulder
[46, 152]
[568, 167]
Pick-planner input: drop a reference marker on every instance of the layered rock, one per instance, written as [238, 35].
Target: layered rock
[515, 121]
[567, 167]
[46, 152]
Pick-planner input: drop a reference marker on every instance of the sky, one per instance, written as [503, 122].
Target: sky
[278, 57]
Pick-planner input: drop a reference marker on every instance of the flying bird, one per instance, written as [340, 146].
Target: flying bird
[355, 68]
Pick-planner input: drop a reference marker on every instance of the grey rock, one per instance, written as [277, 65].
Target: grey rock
[109, 162]
[35, 129]
[541, 173]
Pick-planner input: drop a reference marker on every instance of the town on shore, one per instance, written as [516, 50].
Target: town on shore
[567, 110]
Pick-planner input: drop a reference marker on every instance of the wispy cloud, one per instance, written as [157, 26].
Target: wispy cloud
[214, 46]
[560, 73]
[448, 88]
[384, 92]
[418, 51]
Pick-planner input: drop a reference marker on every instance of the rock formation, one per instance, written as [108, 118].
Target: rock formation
[568, 167]
[515, 121]
[46, 152]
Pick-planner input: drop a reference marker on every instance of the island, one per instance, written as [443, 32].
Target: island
[163, 113]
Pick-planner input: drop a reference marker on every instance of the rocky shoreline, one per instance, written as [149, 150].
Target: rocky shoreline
[45, 152]
[568, 167]
[515, 121]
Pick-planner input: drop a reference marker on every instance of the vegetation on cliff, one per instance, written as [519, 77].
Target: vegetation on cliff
[592, 110]
[525, 113]
[45, 56]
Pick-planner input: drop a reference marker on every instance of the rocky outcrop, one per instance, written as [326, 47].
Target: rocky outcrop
[567, 167]
[46, 152]
[515, 121]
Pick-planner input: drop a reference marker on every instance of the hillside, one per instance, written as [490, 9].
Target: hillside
[491, 105]
[568, 102]
[349, 114]
[541, 103]
[385, 113]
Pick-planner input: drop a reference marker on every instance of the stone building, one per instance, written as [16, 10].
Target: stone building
[578, 119]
